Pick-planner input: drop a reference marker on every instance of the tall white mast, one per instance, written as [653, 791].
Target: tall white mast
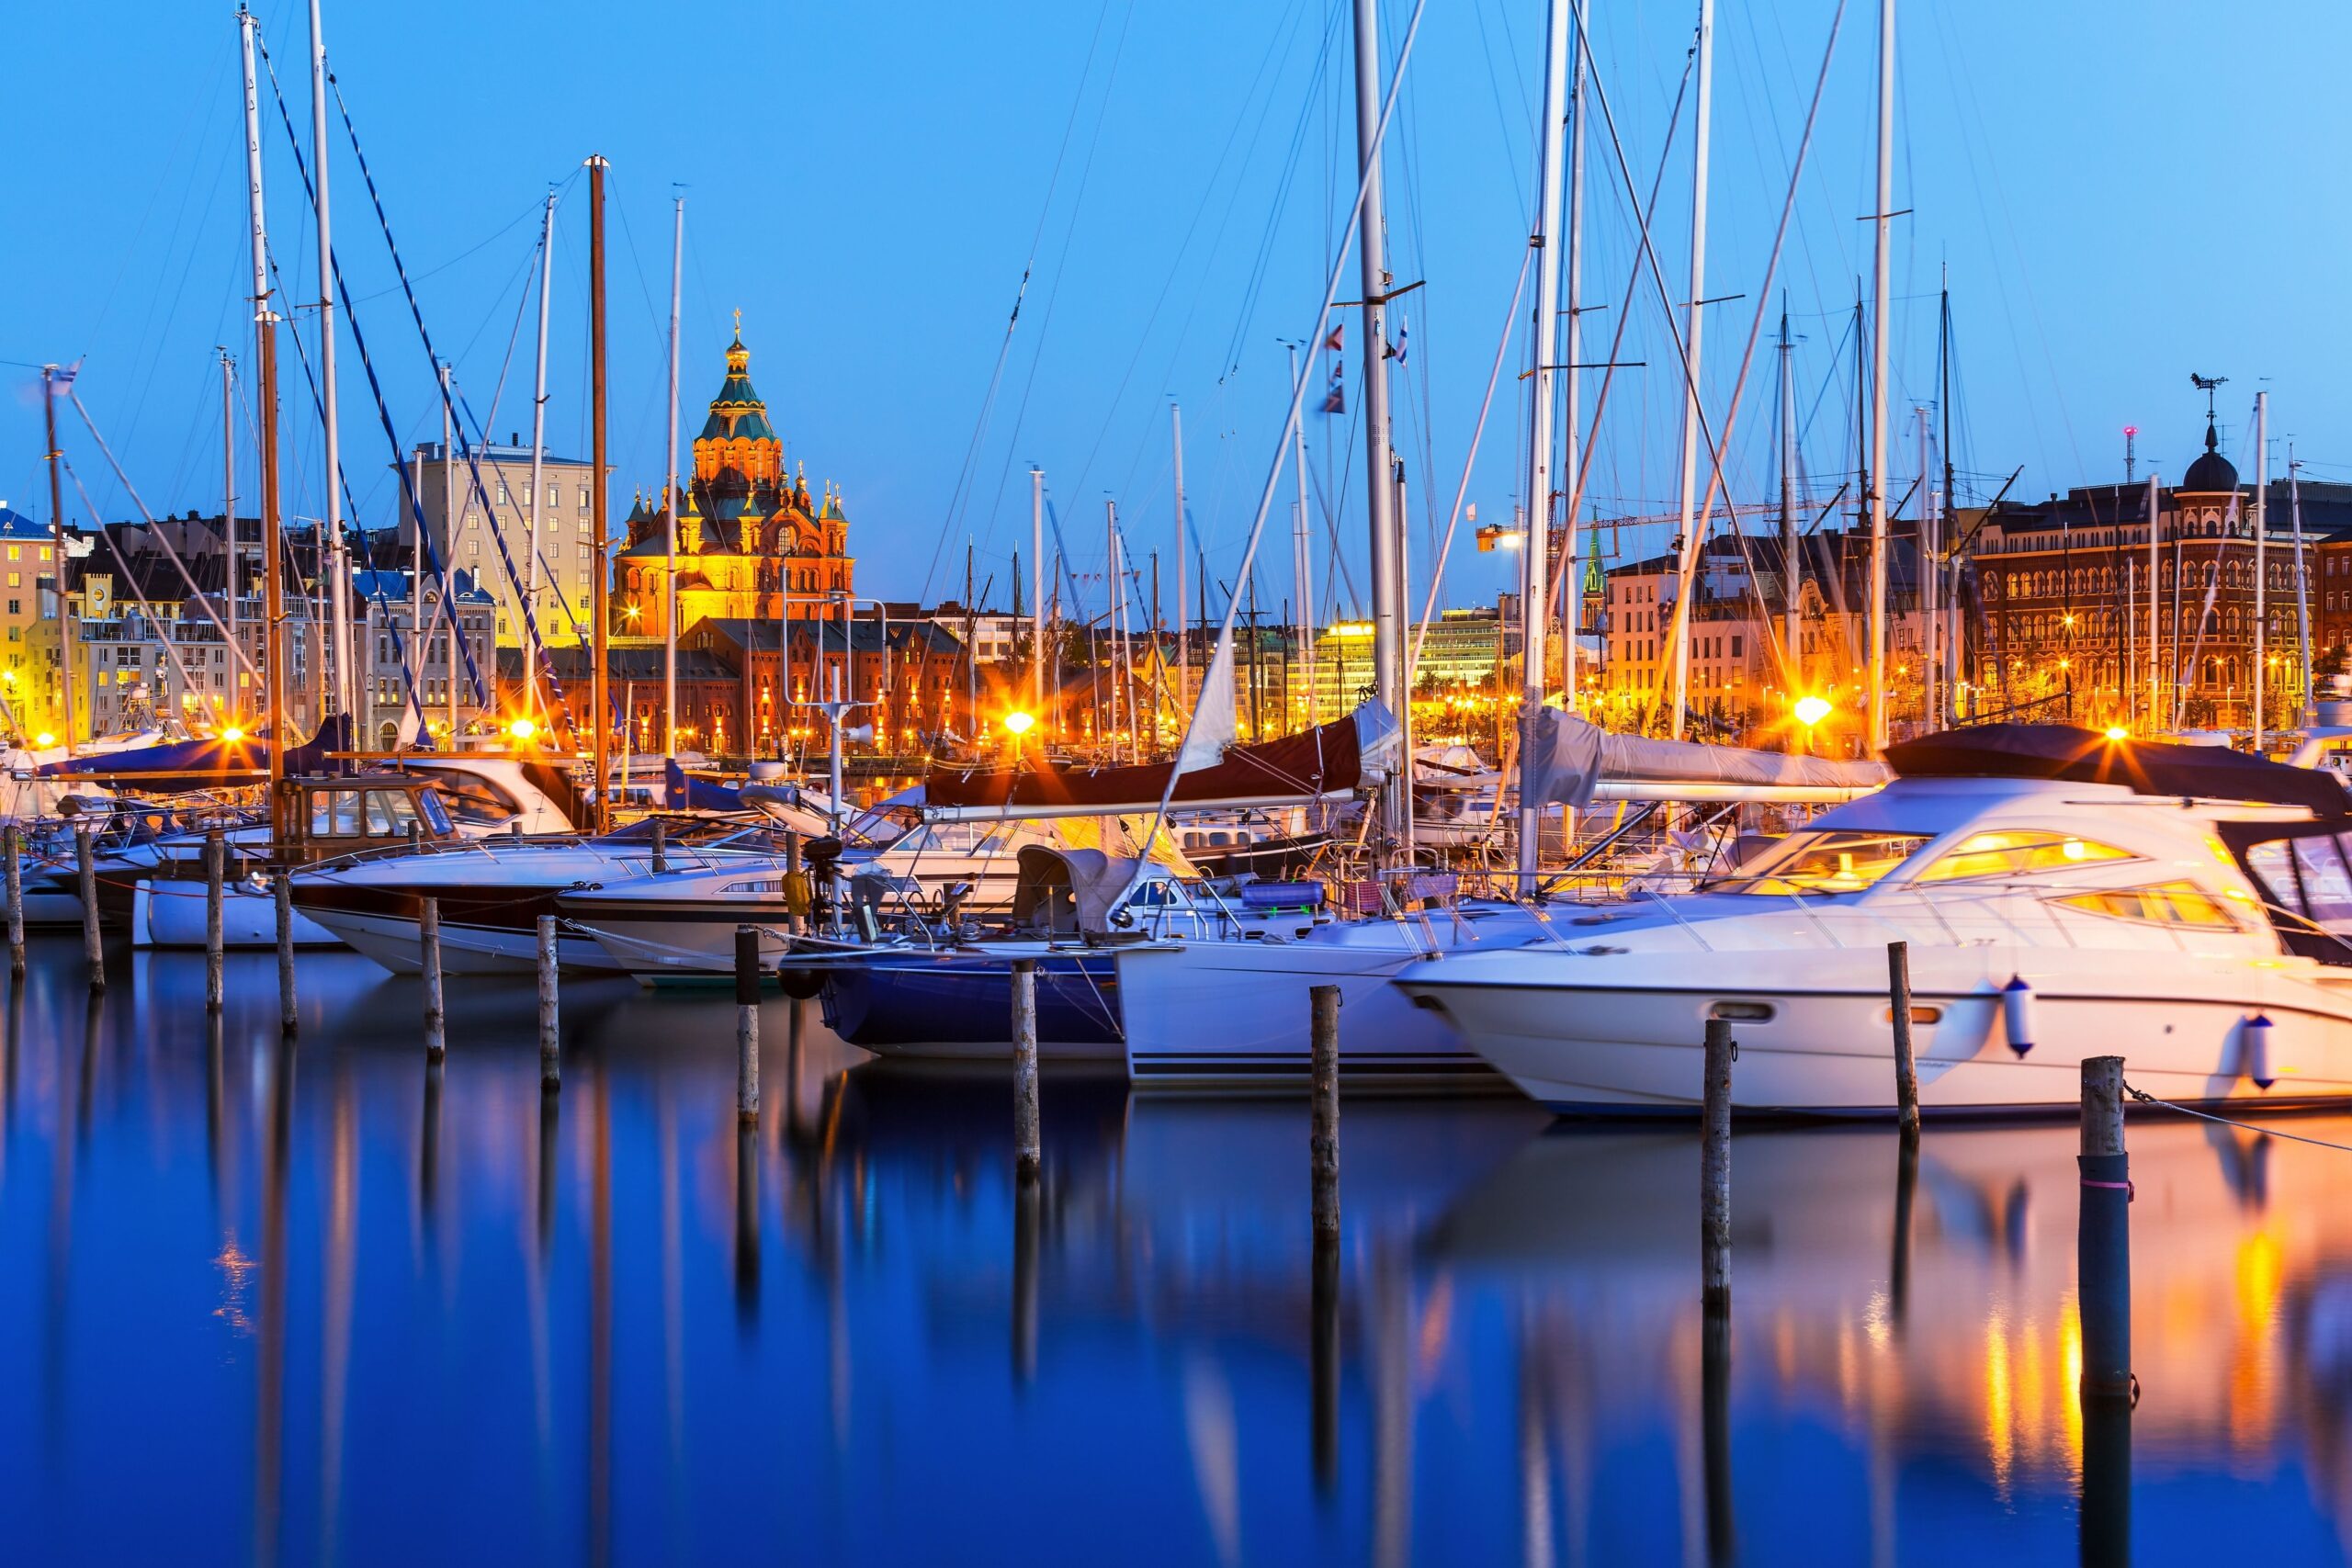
[1571, 349]
[1387, 605]
[1183, 634]
[1036, 597]
[538, 444]
[1111, 610]
[2261, 563]
[1535, 605]
[1882, 217]
[1302, 553]
[1687, 543]
[229, 522]
[669, 505]
[265, 325]
[334, 573]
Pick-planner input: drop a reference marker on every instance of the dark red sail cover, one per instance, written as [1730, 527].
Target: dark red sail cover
[1326, 760]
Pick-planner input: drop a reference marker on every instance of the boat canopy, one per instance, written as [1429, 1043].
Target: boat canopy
[1331, 759]
[208, 764]
[1066, 891]
[2068, 752]
[1577, 763]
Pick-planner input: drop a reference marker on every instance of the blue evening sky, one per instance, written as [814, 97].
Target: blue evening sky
[2120, 194]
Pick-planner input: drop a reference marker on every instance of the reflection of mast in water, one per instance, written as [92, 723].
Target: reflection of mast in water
[1323, 1361]
[1392, 1415]
[674, 1289]
[1534, 1455]
[59, 1316]
[535, 1287]
[599, 1324]
[428, 1154]
[334, 1348]
[1028, 1199]
[215, 1094]
[747, 1227]
[270, 1366]
[12, 1044]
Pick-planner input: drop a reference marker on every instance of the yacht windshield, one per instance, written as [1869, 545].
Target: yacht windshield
[1832, 861]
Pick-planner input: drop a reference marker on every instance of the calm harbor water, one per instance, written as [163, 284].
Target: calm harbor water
[308, 1304]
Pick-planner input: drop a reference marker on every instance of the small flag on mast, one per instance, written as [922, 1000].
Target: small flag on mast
[1337, 343]
[1336, 400]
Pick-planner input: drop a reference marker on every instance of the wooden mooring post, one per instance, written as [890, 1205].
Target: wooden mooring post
[428, 935]
[795, 877]
[216, 863]
[1028, 1150]
[2103, 1281]
[2103, 1236]
[1714, 1169]
[1906, 1066]
[660, 861]
[282, 896]
[550, 1031]
[15, 852]
[747, 1024]
[85, 863]
[1323, 1136]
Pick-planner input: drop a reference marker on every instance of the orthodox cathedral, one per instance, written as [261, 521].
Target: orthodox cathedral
[752, 543]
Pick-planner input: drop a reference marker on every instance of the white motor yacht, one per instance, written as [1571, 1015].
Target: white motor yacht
[2063, 896]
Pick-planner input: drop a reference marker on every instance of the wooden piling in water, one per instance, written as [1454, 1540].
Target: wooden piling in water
[2103, 1234]
[1028, 1150]
[415, 837]
[282, 895]
[1906, 1066]
[661, 846]
[216, 860]
[86, 863]
[1714, 1169]
[16, 875]
[747, 1024]
[550, 1033]
[428, 935]
[1323, 1137]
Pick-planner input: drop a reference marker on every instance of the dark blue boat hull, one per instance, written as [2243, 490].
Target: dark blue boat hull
[961, 1006]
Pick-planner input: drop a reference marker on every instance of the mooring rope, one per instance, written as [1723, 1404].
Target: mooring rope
[2146, 1099]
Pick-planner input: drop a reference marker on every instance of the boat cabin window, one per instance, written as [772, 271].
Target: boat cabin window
[2165, 904]
[1823, 861]
[368, 813]
[473, 799]
[2016, 852]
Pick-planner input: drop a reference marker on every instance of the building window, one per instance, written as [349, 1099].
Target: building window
[502, 492]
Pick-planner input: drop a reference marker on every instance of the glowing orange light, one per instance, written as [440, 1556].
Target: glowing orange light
[1019, 723]
[233, 735]
[2117, 732]
[1811, 711]
[522, 729]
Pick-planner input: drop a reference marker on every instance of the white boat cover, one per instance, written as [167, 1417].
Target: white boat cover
[1571, 757]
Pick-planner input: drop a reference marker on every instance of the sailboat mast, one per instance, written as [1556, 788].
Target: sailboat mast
[229, 517]
[334, 564]
[50, 392]
[600, 719]
[1387, 605]
[1687, 543]
[1535, 600]
[1924, 572]
[2261, 560]
[538, 447]
[449, 554]
[1571, 338]
[1111, 610]
[1792, 566]
[1881, 221]
[670, 504]
[1037, 595]
[1951, 567]
[1184, 634]
[1302, 555]
[2155, 674]
[265, 370]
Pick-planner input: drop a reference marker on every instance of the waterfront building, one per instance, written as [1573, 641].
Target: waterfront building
[31, 681]
[384, 637]
[569, 558]
[171, 662]
[752, 543]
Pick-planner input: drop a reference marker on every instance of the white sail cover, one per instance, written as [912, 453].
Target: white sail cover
[1569, 757]
[1215, 725]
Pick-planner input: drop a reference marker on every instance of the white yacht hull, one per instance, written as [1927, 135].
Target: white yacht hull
[1235, 1013]
[1629, 1037]
[393, 942]
[172, 915]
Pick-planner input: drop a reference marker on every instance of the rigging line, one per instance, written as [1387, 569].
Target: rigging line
[137, 588]
[2145, 1098]
[75, 397]
[959, 494]
[497, 235]
[1715, 486]
[1470, 460]
[1307, 370]
[1053, 299]
[535, 647]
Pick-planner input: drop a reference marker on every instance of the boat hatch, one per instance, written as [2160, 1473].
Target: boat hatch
[1742, 1012]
